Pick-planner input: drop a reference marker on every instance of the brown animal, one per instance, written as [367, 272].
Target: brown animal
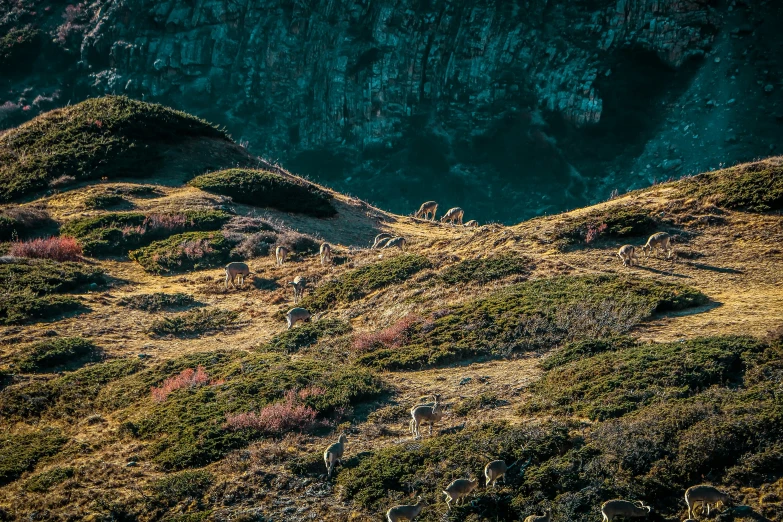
[623, 508]
[497, 469]
[426, 413]
[627, 254]
[236, 270]
[296, 315]
[427, 208]
[405, 512]
[459, 489]
[472, 224]
[299, 284]
[660, 241]
[326, 253]
[280, 254]
[334, 454]
[546, 517]
[454, 214]
[704, 494]
[395, 242]
[380, 238]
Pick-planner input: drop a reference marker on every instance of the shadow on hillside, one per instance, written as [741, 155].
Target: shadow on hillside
[692, 311]
[263, 283]
[662, 272]
[719, 269]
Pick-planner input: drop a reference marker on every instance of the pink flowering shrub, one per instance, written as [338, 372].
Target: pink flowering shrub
[57, 248]
[188, 378]
[394, 336]
[281, 417]
[594, 231]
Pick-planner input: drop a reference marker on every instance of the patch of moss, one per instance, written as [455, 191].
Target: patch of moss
[185, 252]
[49, 355]
[267, 189]
[157, 301]
[358, 283]
[19, 452]
[46, 480]
[114, 234]
[196, 322]
[483, 271]
[307, 334]
[534, 315]
[756, 187]
[183, 486]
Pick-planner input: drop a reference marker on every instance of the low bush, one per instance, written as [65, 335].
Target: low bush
[46, 480]
[188, 378]
[534, 315]
[19, 452]
[185, 252]
[756, 187]
[49, 355]
[56, 248]
[196, 322]
[19, 307]
[483, 271]
[20, 222]
[358, 283]
[307, 334]
[268, 189]
[157, 301]
[101, 201]
[394, 336]
[278, 418]
[183, 486]
[584, 348]
[614, 223]
[19, 47]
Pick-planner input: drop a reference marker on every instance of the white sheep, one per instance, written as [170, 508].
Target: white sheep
[660, 241]
[454, 214]
[627, 254]
[326, 253]
[334, 454]
[459, 489]
[704, 494]
[280, 254]
[299, 284]
[236, 270]
[296, 315]
[405, 511]
[427, 208]
[497, 469]
[426, 413]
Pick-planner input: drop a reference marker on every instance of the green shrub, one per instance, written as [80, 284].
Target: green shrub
[46, 356]
[116, 233]
[483, 271]
[477, 402]
[185, 485]
[268, 189]
[534, 315]
[293, 340]
[584, 348]
[46, 480]
[196, 322]
[757, 187]
[109, 137]
[19, 452]
[355, 284]
[184, 252]
[100, 201]
[157, 301]
[18, 222]
[19, 47]
[25, 306]
[614, 223]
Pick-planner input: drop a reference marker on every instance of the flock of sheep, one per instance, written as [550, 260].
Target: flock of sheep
[431, 413]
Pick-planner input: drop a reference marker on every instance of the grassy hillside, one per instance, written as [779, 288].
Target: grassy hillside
[135, 386]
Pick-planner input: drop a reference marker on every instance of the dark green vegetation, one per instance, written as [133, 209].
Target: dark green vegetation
[18, 47]
[22, 222]
[99, 201]
[196, 322]
[185, 252]
[52, 354]
[674, 415]
[307, 334]
[614, 223]
[266, 189]
[114, 234]
[185, 485]
[757, 187]
[358, 283]
[157, 301]
[29, 289]
[101, 137]
[187, 429]
[20, 451]
[46, 480]
[485, 270]
[534, 315]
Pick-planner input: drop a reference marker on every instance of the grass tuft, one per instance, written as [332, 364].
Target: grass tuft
[52, 354]
[196, 322]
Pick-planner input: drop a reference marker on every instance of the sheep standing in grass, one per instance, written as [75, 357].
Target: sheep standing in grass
[395, 242]
[426, 413]
[326, 253]
[296, 315]
[660, 241]
[497, 469]
[280, 254]
[334, 454]
[383, 242]
[627, 254]
[459, 489]
[299, 284]
[427, 208]
[705, 495]
[454, 214]
[472, 224]
[405, 511]
[236, 270]
[623, 508]
[546, 517]
[381, 238]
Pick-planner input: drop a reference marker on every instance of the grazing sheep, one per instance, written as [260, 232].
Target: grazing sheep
[427, 208]
[660, 241]
[380, 238]
[627, 254]
[426, 413]
[299, 284]
[459, 489]
[472, 224]
[236, 270]
[326, 253]
[624, 508]
[382, 243]
[395, 242]
[280, 254]
[295, 315]
[405, 511]
[454, 214]
[546, 517]
[334, 454]
[497, 469]
[704, 494]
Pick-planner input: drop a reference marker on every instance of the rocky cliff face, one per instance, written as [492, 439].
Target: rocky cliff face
[507, 109]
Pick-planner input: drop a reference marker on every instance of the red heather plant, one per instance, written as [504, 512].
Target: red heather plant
[394, 336]
[281, 417]
[196, 249]
[594, 231]
[188, 378]
[63, 248]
